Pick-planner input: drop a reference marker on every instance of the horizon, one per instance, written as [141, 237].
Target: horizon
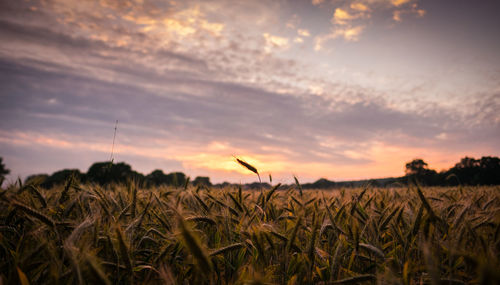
[342, 90]
[265, 179]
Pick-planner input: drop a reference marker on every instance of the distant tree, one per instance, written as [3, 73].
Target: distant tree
[257, 185]
[223, 185]
[373, 183]
[468, 163]
[489, 162]
[107, 172]
[321, 183]
[471, 171]
[177, 178]
[157, 178]
[36, 179]
[3, 171]
[60, 177]
[202, 180]
[416, 167]
[418, 171]
[467, 171]
[490, 170]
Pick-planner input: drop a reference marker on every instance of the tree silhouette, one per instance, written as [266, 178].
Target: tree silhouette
[468, 171]
[490, 170]
[3, 171]
[471, 171]
[60, 177]
[36, 179]
[202, 180]
[468, 163]
[321, 183]
[418, 171]
[157, 178]
[177, 178]
[107, 172]
[416, 167]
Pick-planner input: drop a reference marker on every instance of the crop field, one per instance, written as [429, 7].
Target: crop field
[86, 234]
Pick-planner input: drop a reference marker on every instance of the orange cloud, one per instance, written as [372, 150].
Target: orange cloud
[183, 24]
[341, 16]
[347, 14]
[359, 7]
[352, 34]
[398, 3]
[384, 159]
[273, 42]
[347, 33]
[303, 32]
[414, 10]
[343, 24]
[396, 16]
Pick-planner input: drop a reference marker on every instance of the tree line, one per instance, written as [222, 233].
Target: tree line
[105, 173]
[468, 171]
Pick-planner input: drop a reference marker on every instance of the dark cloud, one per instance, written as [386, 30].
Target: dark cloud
[10, 31]
[225, 111]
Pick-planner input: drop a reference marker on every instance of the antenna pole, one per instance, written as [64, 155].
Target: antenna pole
[113, 145]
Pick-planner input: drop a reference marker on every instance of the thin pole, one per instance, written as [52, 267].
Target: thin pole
[113, 145]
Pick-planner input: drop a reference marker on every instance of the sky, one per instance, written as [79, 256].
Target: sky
[334, 89]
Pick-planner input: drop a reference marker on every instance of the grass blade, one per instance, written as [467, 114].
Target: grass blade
[225, 249]
[195, 248]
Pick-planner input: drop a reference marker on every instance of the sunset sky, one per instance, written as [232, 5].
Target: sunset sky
[335, 89]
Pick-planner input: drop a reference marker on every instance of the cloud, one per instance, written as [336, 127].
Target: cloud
[412, 10]
[303, 32]
[351, 33]
[346, 24]
[323, 137]
[347, 33]
[293, 22]
[317, 2]
[273, 42]
[298, 40]
[349, 18]
[396, 15]
[341, 16]
[398, 3]
[359, 7]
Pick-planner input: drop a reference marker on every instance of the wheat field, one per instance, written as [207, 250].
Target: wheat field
[122, 234]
